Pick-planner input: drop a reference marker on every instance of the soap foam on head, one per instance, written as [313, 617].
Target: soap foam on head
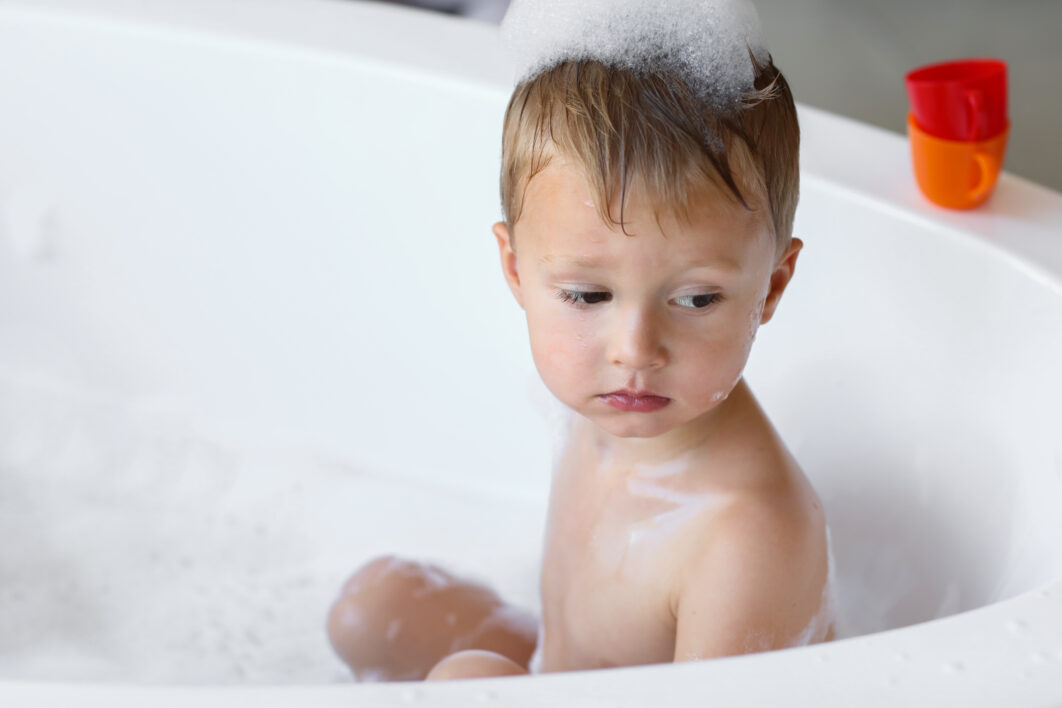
[706, 41]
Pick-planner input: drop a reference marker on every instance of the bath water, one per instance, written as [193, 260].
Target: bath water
[139, 549]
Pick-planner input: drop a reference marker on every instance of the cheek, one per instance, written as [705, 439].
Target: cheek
[560, 346]
[733, 341]
[720, 362]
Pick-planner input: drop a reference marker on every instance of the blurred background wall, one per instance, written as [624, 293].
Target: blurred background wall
[850, 56]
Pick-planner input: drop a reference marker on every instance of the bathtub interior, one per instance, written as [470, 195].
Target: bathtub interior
[253, 332]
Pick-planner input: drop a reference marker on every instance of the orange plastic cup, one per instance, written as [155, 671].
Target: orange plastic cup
[957, 174]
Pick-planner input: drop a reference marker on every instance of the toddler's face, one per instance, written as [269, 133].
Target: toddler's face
[671, 311]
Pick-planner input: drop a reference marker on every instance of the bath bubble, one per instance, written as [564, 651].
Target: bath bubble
[707, 41]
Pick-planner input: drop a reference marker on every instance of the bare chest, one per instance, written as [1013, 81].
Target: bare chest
[606, 579]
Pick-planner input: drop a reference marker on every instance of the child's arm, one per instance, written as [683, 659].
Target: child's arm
[754, 583]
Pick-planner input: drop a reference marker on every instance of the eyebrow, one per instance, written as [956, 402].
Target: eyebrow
[578, 261]
[588, 262]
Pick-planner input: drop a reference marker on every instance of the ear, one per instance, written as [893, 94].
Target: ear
[508, 260]
[783, 273]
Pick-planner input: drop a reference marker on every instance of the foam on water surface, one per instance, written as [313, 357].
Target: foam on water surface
[141, 550]
[708, 41]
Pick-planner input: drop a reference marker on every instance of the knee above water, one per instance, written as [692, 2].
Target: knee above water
[474, 663]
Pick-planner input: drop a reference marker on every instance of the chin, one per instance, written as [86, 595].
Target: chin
[625, 425]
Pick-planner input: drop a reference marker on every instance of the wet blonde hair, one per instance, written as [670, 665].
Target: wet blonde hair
[622, 126]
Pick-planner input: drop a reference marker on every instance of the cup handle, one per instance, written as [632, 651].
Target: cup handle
[989, 167]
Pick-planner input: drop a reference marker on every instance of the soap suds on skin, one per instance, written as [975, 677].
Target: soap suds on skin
[826, 617]
[646, 483]
[669, 468]
[755, 317]
[818, 627]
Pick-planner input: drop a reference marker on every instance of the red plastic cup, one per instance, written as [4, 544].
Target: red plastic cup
[964, 99]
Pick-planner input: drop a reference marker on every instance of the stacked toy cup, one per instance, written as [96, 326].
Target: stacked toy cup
[958, 128]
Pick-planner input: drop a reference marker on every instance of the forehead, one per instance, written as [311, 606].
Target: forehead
[561, 221]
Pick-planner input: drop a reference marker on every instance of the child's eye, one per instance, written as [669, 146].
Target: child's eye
[577, 297]
[697, 302]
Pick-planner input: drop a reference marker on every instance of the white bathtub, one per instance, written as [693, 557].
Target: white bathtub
[253, 332]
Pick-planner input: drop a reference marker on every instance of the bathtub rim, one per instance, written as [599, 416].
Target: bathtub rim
[909, 665]
[1019, 224]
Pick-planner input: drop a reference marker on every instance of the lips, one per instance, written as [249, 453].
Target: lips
[636, 401]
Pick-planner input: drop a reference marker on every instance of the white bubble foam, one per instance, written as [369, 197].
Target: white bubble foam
[707, 41]
[826, 617]
[150, 552]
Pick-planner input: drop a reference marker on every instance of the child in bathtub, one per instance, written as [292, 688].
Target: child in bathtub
[645, 256]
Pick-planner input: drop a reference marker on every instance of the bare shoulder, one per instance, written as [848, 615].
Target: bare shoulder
[775, 523]
[766, 490]
[781, 525]
[770, 503]
[759, 559]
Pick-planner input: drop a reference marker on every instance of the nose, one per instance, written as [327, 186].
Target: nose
[636, 342]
